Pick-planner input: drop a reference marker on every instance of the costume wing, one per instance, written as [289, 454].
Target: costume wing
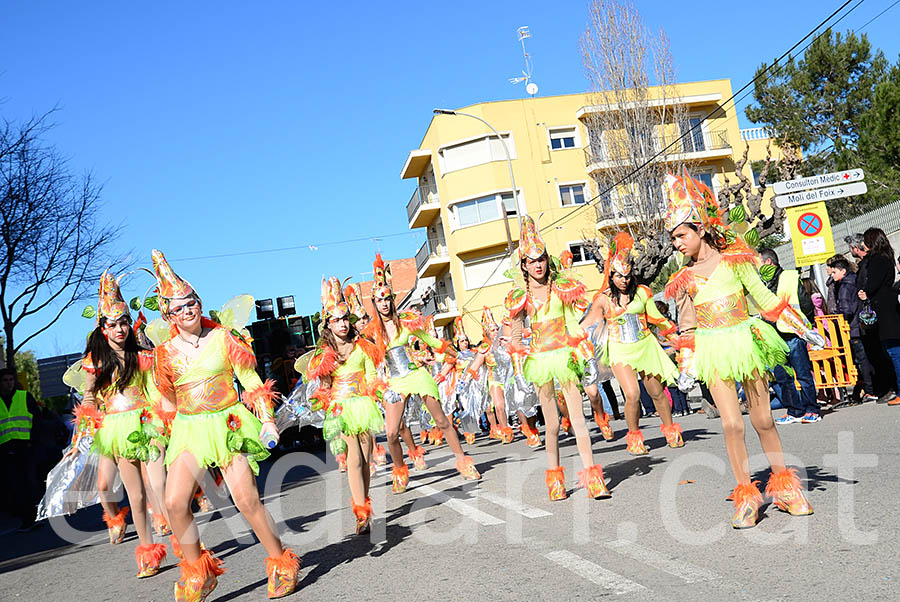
[235, 314]
[157, 331]
[74, 377]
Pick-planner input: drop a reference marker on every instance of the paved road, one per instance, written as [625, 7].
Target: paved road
[664, 535]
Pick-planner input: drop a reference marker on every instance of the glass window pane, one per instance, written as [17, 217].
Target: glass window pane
[555, 143]
[578, 193]
[508, 204]
[569, 142]
[467, 213]
[488, 209]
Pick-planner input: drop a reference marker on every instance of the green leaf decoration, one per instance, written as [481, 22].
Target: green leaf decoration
[131, 453]
[234, 441]
[88, 312]
[150, 430]
[254, 465]
[737, 214]
[338, 446]
[135, 304]
[214, 316]
[152, 303]
[510, 274]
[767, 272]
[135, 437]
[730, 237]
[252, 446]
[143, 455]
[154, 453]
[752, 237]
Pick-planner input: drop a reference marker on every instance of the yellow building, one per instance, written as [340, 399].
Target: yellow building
[463, 187]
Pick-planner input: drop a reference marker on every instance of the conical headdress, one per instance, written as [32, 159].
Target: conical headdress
[487, 321]
[170, 285]
[458, 331]
[111, 305]
[333, 303]
[690, 202]
[530, 243]
[382, 288]
[619, 259]
[351, 294]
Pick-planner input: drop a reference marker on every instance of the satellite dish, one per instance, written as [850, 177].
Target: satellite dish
[531, 88]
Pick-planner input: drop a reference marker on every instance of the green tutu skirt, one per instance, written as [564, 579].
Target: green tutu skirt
[736, 352]
[111, 440]
[206, 437]
[645, 355]
[419, 381]
[358, 415]
[544, 366]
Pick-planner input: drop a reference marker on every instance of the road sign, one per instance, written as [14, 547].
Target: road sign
[827, 179]
[820, 194]
[811, 234]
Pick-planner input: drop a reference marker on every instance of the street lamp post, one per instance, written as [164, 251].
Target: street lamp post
[512, 178]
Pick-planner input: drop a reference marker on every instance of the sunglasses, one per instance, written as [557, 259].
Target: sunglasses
[177, 311]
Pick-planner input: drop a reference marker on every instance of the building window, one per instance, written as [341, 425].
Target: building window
[485, 272]
[692, 132]
[484, 209]
[476, 152]
[707, 178]
[571, 195]
[580, 253]
[561, 138]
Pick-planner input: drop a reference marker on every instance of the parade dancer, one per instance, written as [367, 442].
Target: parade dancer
[631, 349]
[194, 370]
[391, 331]
[521, 396]
[117, 386]
[720, 344]
[457, 374]
[344, 364]
[487, 355]
[547, 298]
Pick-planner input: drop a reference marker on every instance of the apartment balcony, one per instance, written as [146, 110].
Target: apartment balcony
[697, 146]
[612, 218]
[442, 306]
[761, 133]
[432, 258]
[423, 207]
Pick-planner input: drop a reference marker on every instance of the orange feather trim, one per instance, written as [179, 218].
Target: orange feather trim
[323, 395]
[87, 364]
[738, 253]
[668, 429]
[152, 554]
[668, 331]
[364, 510]
[444, 346]
[746, 492]
[685, 341]
[633, 437]
[569, 291]
[584, 476]
[554, 475]
[260, 400]
[376, 388]
[785, 480]
[516, 349]
[375, 352]
[416, 452]
[118, 520]
[145, 360]
[412, 320]
[602, 420]
[239, 352]
[84, 412]
[163, 372]
[288, 562]
[680, 282]
[323, 363]
[199, 570]
[773, 314]
[401, 471]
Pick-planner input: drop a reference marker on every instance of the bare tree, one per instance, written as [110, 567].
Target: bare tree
[52, 244]
[635, 127]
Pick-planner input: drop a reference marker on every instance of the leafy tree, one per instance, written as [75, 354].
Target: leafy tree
[821, 104]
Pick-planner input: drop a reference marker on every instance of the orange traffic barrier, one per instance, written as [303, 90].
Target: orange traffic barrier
[833, 366]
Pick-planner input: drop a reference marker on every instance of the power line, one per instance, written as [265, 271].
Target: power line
[690, 131]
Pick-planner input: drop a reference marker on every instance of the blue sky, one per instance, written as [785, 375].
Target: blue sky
[234, 127]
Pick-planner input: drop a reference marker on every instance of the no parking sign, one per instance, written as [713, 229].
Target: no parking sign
[810, 233]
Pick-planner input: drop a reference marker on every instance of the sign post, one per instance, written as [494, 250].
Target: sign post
[811, 234]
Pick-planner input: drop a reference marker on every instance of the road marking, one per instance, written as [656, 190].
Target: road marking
[594, 572]
[683, 570]
[514, 505]
[482, 518]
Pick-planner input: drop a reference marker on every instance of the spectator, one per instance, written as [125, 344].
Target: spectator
[802, 407]
[878, 288]
[19, 412]
[815, 296]
[857, 245]
[830, 296]
[848, 305]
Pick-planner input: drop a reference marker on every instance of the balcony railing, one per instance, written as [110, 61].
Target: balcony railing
[439, 304]
[695, 142]
[421, 195]
[756, 133]
[432, 247]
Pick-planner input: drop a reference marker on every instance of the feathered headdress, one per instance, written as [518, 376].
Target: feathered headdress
[170, 285]
[459, 332]
[487, 321]
[690, 202]
[566, 259]
[333, 303]
[111, 304]
[382, 288]
[351, 294]
[531, 245]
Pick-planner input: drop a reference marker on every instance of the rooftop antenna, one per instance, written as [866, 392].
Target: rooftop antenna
[530, 87]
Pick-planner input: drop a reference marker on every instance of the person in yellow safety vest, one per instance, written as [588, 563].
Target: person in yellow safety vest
[801, 406]
[18, 467]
